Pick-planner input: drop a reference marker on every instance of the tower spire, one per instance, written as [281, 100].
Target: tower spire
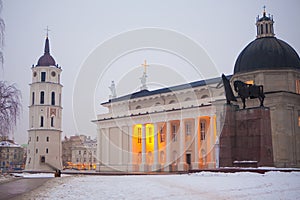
[47, 46]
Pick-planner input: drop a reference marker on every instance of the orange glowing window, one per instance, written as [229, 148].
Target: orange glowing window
[139, 135]
[250, 82]
[150, 135]
[162, 135]
[202, 129]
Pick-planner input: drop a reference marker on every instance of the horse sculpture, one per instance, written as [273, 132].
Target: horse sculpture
[245, 90]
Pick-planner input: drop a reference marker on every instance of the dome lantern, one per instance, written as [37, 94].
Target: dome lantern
[265, 25]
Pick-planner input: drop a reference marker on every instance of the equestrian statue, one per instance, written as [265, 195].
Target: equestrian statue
[251, 91]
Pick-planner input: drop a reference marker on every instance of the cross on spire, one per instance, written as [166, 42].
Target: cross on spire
[264, 13]
[47, 31]
[144, 77]
[145, 65]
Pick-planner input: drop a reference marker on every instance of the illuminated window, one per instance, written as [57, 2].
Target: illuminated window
[174, 130]
[162, 135]
[251, 82]
[188, 129]
[202, 129]
[298, 86]
[139, 135]
[150, 135]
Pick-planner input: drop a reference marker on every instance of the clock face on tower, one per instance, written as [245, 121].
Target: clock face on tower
[34, 74]
[53, 73]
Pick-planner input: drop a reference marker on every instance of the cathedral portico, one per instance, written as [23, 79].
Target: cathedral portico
[157, 144]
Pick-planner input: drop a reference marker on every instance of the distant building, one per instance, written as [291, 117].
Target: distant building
[79, 152]
[11, 155]
[45, 115]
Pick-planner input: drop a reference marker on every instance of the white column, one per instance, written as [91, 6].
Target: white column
[130, 154]
[156, 165]
[168, 147]
[120, 146]
[99, 152]
[143, 164]
[105, 147]
[181, 134]
[211, 163]
[195, 164]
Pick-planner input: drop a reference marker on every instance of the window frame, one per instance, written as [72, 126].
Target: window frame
[43, 76]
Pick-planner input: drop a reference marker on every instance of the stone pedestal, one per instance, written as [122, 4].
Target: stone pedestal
[246, 139]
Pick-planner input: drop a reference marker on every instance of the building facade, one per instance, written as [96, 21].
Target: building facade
[79, 152]
[11, 156]
[170, 129]
[45, 115]
[178, 128]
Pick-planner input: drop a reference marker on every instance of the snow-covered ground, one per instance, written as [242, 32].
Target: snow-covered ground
[205, 185]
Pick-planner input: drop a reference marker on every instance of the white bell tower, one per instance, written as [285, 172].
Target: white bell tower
[45, 115]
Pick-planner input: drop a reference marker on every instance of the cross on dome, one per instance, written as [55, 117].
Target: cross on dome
[47, 31]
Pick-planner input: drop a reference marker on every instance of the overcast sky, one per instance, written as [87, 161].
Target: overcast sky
[222, 29]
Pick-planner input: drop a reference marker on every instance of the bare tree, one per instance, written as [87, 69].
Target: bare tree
[2, 28]
[10, 106]
[10, 96]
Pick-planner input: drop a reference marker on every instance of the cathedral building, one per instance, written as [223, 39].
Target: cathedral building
[45, 115]
[179, 128]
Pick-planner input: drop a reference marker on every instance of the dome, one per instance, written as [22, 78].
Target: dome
[46, 59]
[267, 53]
